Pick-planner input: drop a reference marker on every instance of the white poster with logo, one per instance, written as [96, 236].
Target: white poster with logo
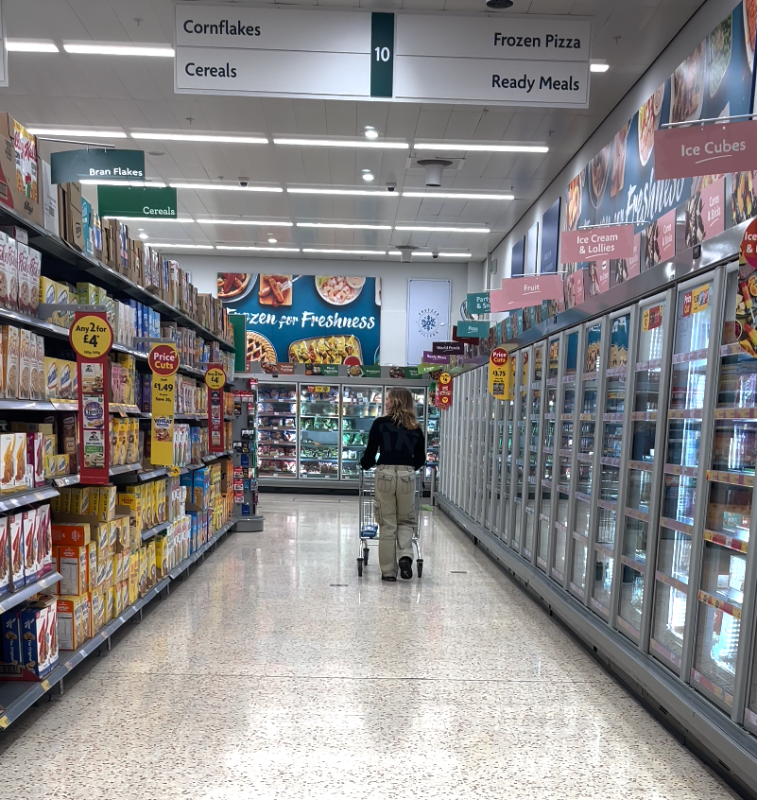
[428, 317]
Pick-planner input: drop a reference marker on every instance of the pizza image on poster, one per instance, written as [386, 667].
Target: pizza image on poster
[306, 319]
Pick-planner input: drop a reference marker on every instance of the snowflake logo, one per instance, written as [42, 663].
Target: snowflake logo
[428, 322]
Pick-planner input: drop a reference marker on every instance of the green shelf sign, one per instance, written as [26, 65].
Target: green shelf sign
[137, 201]
[478, 303]
[69, 166]
[472, 330]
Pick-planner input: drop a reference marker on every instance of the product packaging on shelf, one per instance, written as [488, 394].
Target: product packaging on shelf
[5, 559]
[18, 170]
[10, 360]
[49, 192]
[73, 620]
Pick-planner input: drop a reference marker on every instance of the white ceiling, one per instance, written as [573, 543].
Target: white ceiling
[137, 93]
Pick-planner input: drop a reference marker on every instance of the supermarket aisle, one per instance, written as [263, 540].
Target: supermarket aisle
[274, 672]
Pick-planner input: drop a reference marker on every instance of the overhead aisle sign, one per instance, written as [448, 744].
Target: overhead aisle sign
[294, 52]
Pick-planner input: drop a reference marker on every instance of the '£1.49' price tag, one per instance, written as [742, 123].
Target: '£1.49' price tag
[91, 336]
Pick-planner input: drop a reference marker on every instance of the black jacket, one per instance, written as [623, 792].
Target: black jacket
[397, 446]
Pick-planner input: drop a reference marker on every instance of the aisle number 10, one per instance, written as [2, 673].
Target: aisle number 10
[382, 53]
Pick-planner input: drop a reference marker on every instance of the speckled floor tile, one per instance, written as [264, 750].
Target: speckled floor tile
[275, 673]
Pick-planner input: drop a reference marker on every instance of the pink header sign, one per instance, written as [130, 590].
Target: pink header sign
[713, 208]
[705, 150]
[593, 244]
[526, 291]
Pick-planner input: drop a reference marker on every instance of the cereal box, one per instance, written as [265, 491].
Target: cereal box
[25, 364]
[5, 562]
[52, 389]
[35, 652]
[61, 293]
[65, 371]
[34, 273]
[16, 542]
[11, 634]
[48, 293]
[97, 611]
[71, 533]
[24, 302]
[72, 563]
[29, 532]
[10, 360]
[8, 257]
[19, 461]
[73, 621]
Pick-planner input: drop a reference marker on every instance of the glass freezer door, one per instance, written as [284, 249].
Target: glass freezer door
[521, 435]
[587, 421]
[729, 489]
[545, 527]
[564, 455]
[277, 430]
[611, 427]
[679, 491]
[319, 432]
[532, 455]
[361, 405]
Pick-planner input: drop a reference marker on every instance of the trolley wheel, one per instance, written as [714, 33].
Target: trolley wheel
[360, 568]
[419, 567]
[365, 556]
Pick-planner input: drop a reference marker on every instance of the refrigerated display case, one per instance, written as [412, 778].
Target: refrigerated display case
[320, 443]
[277, 430]
[361, 405]
[433, 430]
[631, 442]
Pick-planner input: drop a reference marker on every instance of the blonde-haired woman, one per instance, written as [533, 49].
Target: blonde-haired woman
[401, 447]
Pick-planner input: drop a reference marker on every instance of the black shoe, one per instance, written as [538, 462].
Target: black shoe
[388, 578]
[406, 568]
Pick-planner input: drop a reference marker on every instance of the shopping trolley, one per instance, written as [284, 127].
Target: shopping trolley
[368, 527]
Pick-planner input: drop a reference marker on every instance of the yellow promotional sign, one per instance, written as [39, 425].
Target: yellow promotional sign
[164, 363]
[501, 374]
[91, 337]
[215, 378]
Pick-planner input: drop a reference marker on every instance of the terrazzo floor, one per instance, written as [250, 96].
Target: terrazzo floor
[274, 672]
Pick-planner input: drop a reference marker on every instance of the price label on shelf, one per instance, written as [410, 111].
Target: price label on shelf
[91, 336]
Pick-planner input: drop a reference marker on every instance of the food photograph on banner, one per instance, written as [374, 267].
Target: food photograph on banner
[321, 320]
[619, 185]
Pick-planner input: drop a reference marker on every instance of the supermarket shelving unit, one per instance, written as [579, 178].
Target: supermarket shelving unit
[16, 697]
[619, 488]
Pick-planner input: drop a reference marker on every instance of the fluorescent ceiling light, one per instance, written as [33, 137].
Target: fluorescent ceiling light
[439, 229]
[345, 192]
[429, 254]
[186, 246]
[371, 132]
[183, 220]
[458, 196]
[350, 226]
[15, 46]
[346, 252]
[198, 137]
[482, 148]
[81, 132]
[141, 184]
[267, 249]
[597, 67]
[374, 145]
[94, 49]
[226, 187]
[262, 223]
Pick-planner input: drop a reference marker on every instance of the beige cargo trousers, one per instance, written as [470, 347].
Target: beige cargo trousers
[394, 511]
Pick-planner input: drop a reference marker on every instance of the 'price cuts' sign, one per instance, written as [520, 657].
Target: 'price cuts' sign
[215, 380]
[164, 363]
